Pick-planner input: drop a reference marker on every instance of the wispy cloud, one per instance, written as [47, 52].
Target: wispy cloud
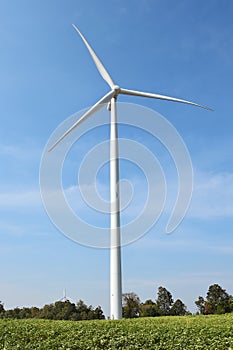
[222, 249]
[20, 199]
[212, 196]
[20, 152]
[19, 229]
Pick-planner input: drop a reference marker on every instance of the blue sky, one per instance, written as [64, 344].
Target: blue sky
[182, 49]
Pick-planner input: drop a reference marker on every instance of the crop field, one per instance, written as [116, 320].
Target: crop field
[187, 332]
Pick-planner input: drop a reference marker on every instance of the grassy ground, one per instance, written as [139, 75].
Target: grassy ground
[184, 333]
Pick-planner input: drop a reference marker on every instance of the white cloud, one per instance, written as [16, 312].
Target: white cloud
[20, 199]
[212, 196]
[21, 152]
[222, 249]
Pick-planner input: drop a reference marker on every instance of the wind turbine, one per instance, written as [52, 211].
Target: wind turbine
[115, 238]
[64, 296]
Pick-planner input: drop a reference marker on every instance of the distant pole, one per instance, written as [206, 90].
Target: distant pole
[115, 244]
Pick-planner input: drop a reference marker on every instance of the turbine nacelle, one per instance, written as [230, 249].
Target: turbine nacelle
[117, 90]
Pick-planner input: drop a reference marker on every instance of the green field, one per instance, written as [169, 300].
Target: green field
[188, 332]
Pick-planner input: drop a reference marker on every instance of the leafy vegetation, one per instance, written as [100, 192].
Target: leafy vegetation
[218, 301]
[60, 310]
[213, 332]
[131, 305]
[163, 305]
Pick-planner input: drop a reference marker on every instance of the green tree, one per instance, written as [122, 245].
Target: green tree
[164, 301]
[218, 299]
[83, 311]
[47, 312]
[200, 303]
[25, 312]
[2, 310]
[178, 308]
[64, 310]
[208, 310]
[98, 313]
[35, 311]
[149, 309]
[131, 305]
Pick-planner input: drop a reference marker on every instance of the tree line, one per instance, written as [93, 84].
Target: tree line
[60, 310]
[162, 306]
[217, 301]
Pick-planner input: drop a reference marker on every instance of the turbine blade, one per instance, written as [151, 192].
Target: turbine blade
[92, 110]
[160, 97]
[102, 70]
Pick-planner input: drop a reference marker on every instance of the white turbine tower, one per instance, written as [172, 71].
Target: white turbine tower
[115, 239]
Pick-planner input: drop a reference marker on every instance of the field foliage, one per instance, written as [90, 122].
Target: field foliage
[213, 332]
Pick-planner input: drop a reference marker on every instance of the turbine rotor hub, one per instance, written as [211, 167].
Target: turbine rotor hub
[116, 88]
